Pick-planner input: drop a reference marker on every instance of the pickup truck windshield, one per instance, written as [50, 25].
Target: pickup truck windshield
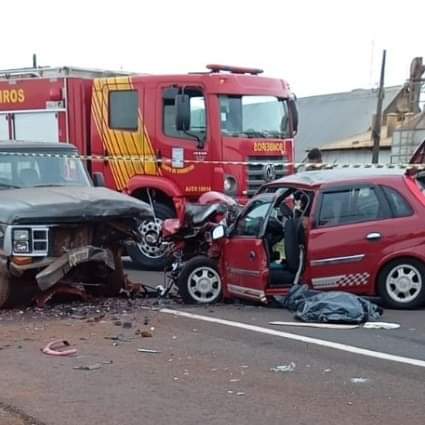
[254, 117]
[18, 170]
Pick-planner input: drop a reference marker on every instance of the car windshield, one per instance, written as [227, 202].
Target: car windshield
[254, 117]
[18, 170]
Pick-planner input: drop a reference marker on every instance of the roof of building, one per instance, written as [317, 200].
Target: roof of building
[327, 118]
[360, 141]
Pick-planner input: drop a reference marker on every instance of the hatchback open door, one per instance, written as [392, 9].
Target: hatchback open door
[245, 261]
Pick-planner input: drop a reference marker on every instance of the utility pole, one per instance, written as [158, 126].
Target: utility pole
[376, 129]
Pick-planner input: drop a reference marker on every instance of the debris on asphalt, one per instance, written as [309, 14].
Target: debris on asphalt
[144, 334]
[359, 380]
[120, 338]
[93, 366]
[316, 325]
[381, 325]
[145, 350]
[284, 368]
[311, 305]
[56, 348]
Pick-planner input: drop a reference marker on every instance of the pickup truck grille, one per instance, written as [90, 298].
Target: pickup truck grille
[256, 172]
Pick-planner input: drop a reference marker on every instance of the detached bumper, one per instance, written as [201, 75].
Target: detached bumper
[53, 273]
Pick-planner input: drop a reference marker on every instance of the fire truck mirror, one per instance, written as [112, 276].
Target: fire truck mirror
[182, 104]
[293, 112]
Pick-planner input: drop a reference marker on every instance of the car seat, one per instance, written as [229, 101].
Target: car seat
[288, 272]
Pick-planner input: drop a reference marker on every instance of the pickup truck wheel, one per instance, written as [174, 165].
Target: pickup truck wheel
[200, 282]
[149, 255]
[4, 288]
[401, 284]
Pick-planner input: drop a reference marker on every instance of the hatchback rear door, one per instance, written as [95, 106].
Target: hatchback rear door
[351, 231]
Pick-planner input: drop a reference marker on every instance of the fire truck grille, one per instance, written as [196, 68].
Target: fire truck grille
[271, 168]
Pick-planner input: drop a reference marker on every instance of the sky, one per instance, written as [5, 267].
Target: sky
[322, 46]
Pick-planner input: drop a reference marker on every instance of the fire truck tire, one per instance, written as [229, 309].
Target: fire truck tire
[401, 284]
[4, 288]
[146, 255]
[200, 281]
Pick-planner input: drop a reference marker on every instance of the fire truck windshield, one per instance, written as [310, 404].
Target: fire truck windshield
[254, 116]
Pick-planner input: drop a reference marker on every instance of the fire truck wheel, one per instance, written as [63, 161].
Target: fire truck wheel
[149, 255]
[4, 288]
[401, 283]
[200, 281]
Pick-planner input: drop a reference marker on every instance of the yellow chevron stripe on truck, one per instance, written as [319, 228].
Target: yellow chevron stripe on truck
[119, 142]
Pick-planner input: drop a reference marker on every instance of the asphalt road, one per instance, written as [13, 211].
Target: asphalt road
[210, 373]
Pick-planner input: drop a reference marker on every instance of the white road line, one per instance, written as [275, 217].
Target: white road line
[300, 338]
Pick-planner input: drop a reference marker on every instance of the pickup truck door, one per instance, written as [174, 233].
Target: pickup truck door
[245, 257]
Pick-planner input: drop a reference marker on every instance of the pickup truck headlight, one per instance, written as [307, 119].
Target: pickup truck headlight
[21, 241]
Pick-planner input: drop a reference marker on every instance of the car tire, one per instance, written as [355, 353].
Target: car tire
[401, 284]
[144, 254]
[4, 288]
[200, 282]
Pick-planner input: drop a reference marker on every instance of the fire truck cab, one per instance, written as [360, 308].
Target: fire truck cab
[162, 138]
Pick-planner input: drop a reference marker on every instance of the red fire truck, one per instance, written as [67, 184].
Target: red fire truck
[164, 139]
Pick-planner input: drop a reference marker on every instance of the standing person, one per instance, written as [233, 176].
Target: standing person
[314, 157]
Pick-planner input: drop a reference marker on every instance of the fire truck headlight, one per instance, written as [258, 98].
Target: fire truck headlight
[230, 186]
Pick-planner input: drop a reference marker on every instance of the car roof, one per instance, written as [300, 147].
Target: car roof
[35, 146]
[336, 176]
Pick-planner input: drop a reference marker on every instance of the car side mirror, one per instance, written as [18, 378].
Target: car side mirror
[182, 104]
[99, 179]
[293, 112]
[218, 232]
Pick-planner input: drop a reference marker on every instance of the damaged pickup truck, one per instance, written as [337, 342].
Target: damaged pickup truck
[56, 228]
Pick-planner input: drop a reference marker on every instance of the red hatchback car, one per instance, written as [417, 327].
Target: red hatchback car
[355, 230]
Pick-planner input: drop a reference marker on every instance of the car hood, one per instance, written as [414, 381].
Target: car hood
[42, 205]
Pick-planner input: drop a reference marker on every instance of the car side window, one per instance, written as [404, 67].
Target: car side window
[400, 207]
[349, 205]
[251, 223]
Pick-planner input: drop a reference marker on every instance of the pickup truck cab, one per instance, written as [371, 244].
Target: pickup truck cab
[55, 226]
[355, 230]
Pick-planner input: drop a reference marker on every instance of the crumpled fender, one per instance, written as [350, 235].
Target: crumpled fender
[53, 273]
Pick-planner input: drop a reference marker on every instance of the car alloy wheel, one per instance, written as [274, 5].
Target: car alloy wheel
[403, 283]
[204, 284]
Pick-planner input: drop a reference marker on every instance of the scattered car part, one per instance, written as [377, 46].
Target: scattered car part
[94, 366]
[284, 368]
[55, 348]
[145, 350]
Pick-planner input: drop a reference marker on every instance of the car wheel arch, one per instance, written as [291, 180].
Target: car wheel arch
[390, 259]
